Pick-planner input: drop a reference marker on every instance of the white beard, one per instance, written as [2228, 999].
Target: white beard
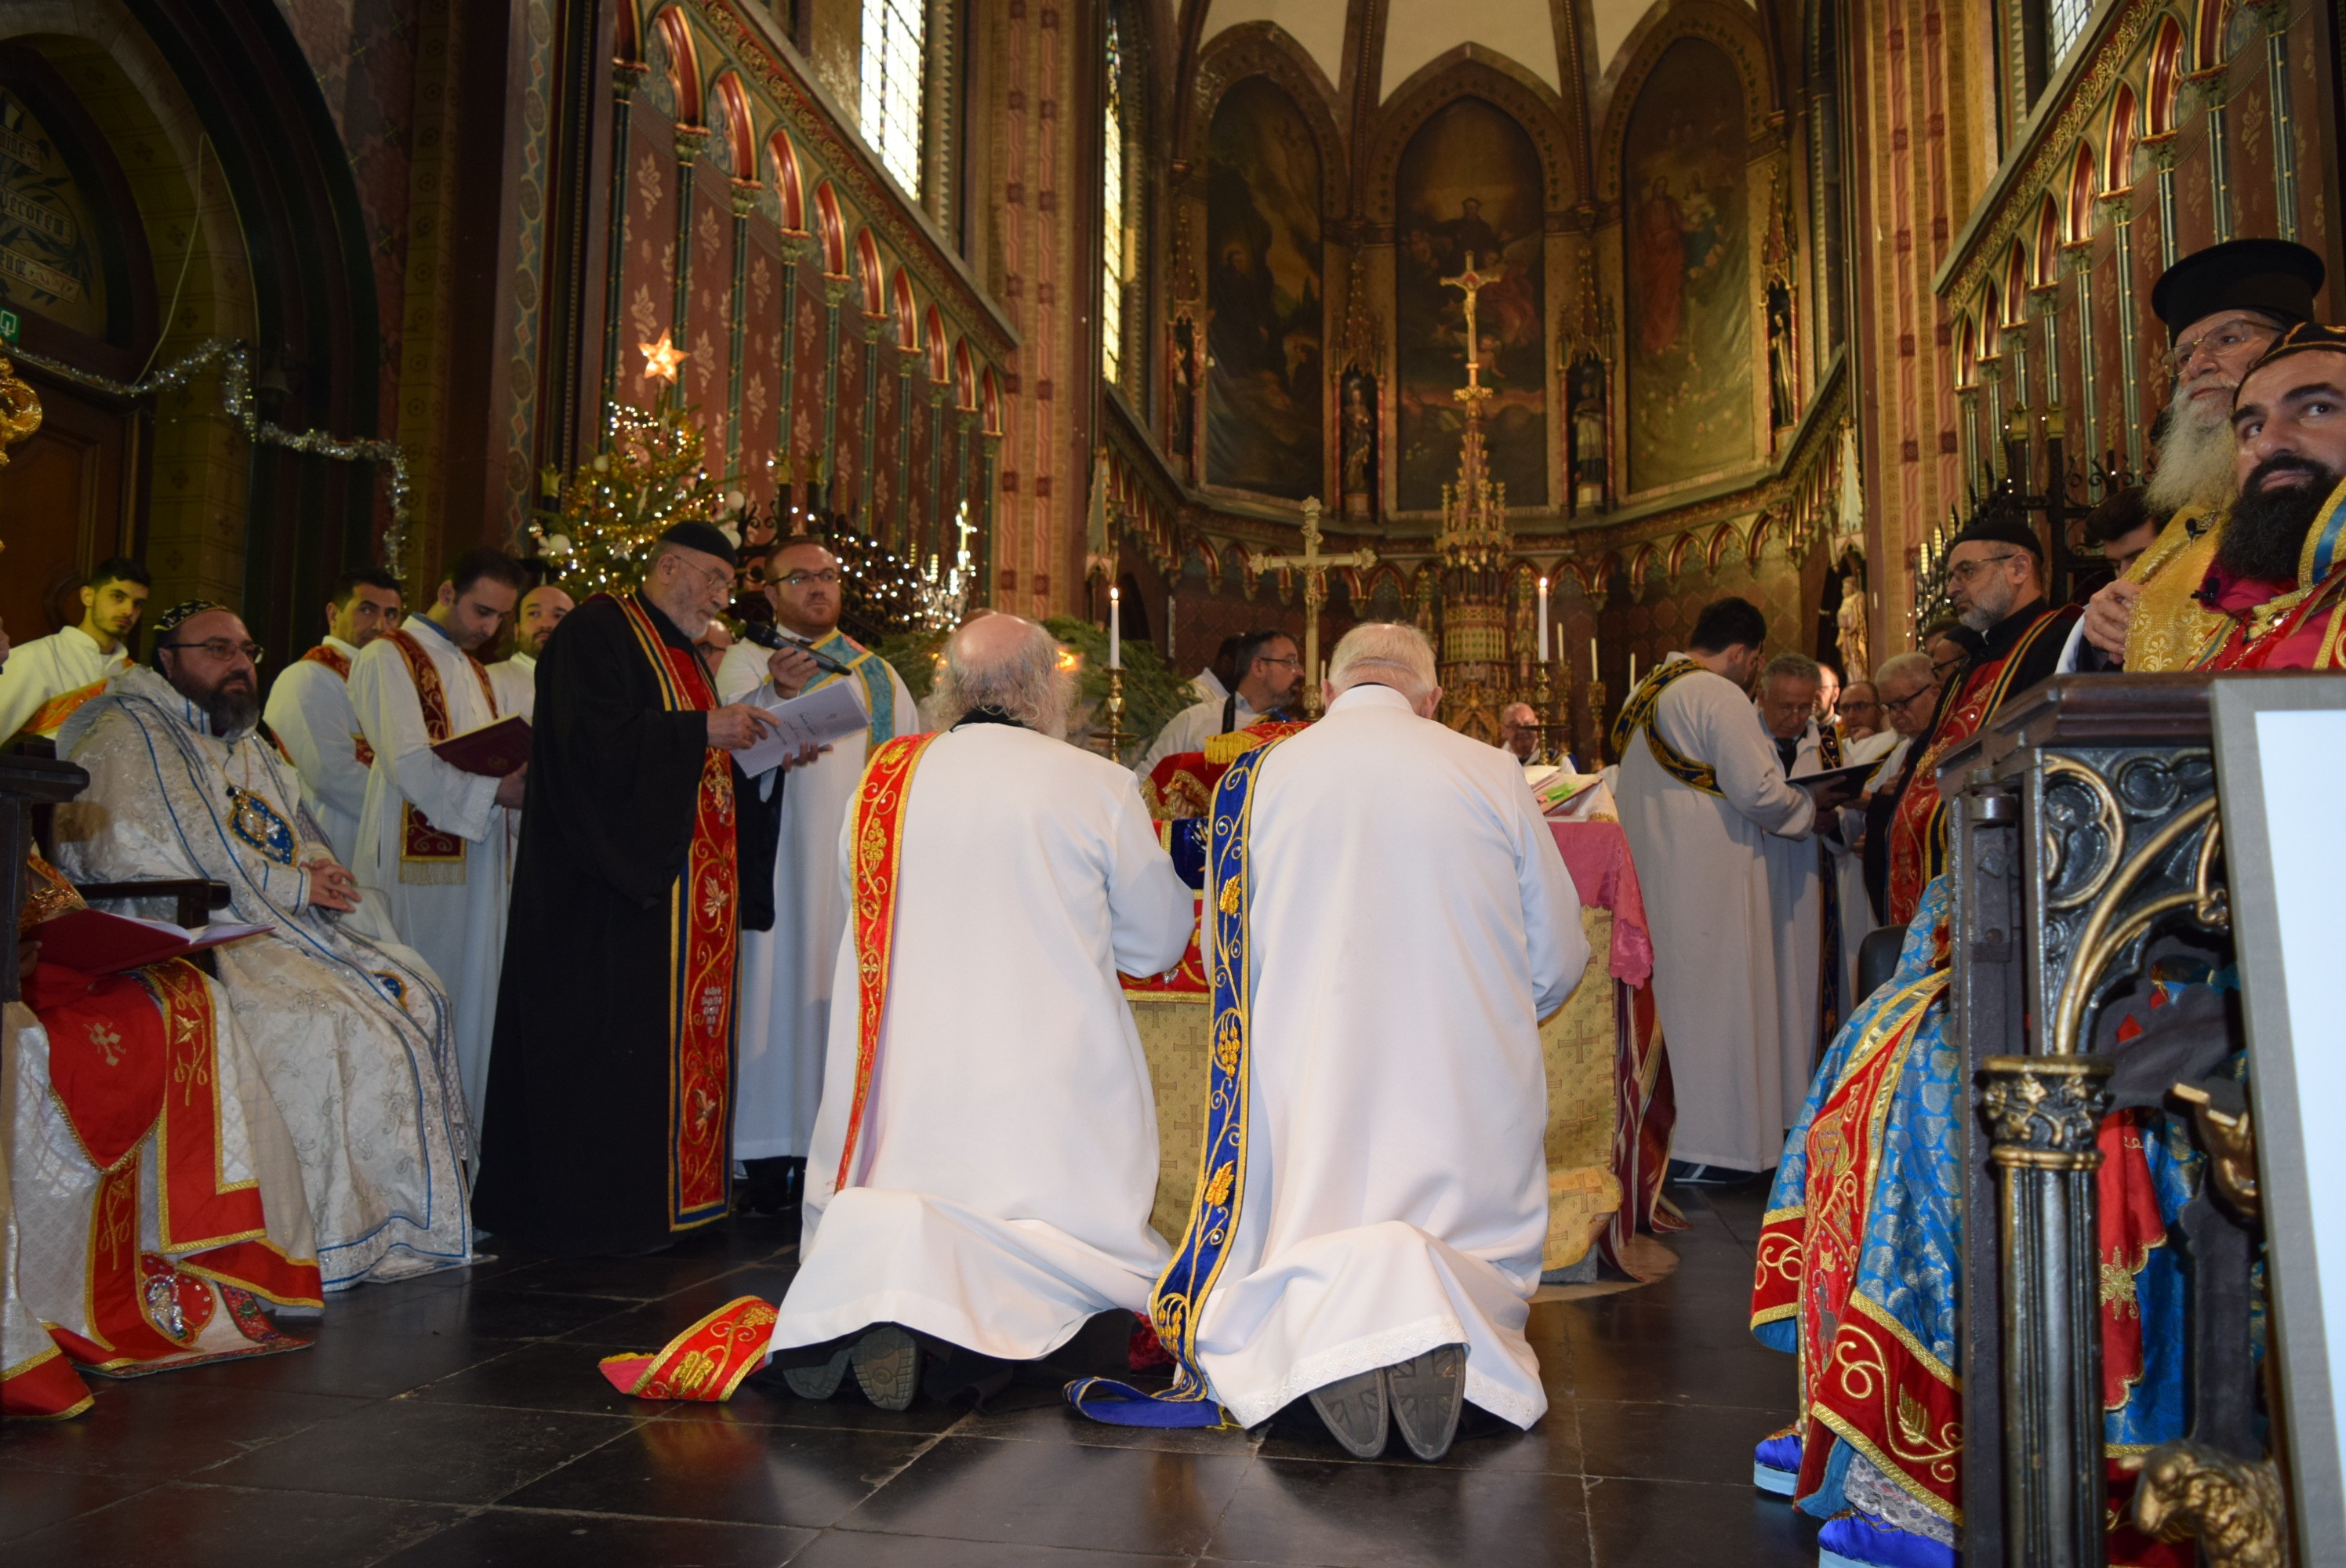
[2198, 465]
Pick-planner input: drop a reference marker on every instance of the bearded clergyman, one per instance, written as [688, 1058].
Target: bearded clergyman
[351, 1029]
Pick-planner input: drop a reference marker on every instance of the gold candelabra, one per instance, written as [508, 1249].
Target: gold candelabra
[1112, 737]
[1596, 723]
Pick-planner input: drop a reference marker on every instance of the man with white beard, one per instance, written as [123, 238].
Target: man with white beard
[2223, 307]
[985, 1158]
[1367, 1230]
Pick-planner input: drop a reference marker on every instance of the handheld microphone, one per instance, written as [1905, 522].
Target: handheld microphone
[767, 635]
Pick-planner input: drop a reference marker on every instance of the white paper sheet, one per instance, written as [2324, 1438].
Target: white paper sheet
[817, 719]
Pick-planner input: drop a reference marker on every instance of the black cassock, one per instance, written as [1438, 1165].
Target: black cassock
[609, 1126]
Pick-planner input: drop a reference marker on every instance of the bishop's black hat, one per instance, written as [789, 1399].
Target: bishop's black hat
[2000, 529]
[2275, 276]
[705, 538]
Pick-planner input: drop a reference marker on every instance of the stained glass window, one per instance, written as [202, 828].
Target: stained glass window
[2065, 24]
[1112, 224]
[893, 35]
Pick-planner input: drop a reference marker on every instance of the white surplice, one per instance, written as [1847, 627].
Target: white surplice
[45, 668]
[784, 1002]
[309, 711]
[458, 925]
[514, 679]
[1703, 870]
[1008, 1161]
[1410, 924]
[350, 1028]
[1796, 890]
[1190, 730]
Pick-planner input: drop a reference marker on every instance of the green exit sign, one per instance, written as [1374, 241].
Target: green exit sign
[7, 326]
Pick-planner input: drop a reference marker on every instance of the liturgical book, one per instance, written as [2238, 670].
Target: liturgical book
[494, 749]
[96, 943]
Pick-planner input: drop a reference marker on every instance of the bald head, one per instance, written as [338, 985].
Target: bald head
[1519, 730]
[1009, 665]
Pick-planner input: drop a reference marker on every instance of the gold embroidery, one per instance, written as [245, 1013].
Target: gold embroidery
[1218, 1191]
[105, 1040]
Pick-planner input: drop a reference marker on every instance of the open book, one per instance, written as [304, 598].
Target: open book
[826, 714]
[494, 749]
[96, 943]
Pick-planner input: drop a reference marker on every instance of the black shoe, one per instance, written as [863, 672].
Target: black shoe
[1426, 1393]
[1355, 1412]
[767, 1186]
[887, 1362]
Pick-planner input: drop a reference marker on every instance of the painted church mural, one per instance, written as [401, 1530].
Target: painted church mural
[1687, 214]
[1468, 190]
[1263, 395]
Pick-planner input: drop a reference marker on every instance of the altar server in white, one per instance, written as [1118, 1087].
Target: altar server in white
[349, 1027]
[46, 679]
[1410, 923]
[1000, 1161]
[1701, 790]
[1797, 867]
[515, 676]
[432, 838]
[310, 706]
[785, 999]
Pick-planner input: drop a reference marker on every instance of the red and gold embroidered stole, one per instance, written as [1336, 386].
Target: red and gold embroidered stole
[2302, 632]
[426, 853]
[339, 663]
[1918, 833]
[707, 1361]
[704, 933]
[134, 1054]
[879, 802]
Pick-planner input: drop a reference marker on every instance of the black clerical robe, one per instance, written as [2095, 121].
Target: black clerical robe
[610, 1118]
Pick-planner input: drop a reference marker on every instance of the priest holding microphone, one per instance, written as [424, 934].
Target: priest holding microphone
[609, 1119]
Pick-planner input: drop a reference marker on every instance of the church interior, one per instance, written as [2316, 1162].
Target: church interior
[1538, 325]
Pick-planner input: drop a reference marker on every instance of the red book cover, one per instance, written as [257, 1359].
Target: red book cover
[494, 750]
[96, 943]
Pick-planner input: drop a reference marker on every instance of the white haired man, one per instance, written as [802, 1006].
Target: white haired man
[985, 1157]
[1368, 1233]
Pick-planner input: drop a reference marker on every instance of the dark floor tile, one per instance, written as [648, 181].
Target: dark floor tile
[160, 1427]
[764, 1401]
[1046, 1495]
[540, 1375]
[1485, 1441]
[1673, 1442]
[1059, 1423]
[1617, 1323]
[646, 1325]
[490, 1309]
[515, 1538]
[34, 1500]
[630, 1278]
[1746, 1375]
[709, 1470]
[193, 1526]
[858, 1549]
[1670, 1524]
[352, 1359]
[423, 1450]
[1401, 1516]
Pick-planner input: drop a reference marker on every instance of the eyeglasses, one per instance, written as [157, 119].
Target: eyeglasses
[800, 579]
[223, 649]
[715, 578]
[1899, 704]
[1965, 570]
[1266, 658]
[2218, 343]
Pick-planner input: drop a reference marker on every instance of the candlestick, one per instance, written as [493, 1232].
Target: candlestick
[1112, 737]
[1592, 660]
[1114, 631]
[1633, 672]
[1543, 621]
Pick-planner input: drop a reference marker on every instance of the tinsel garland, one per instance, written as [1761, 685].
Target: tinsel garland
[236, 402]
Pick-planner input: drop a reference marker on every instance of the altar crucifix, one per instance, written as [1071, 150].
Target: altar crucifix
[1470, 282]
[1314, 567]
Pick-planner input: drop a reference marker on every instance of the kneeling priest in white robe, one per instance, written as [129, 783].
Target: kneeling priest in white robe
[1390, 920]
[984, 1157]
[351, 1029]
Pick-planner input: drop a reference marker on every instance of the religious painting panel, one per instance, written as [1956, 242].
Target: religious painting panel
[1263, 399]
[1686, 209]
[1467, 196]
[49, 256]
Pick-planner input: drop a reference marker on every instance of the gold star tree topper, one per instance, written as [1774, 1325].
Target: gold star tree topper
[661, 359]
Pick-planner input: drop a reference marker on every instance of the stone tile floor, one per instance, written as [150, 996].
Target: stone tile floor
[459, 1419]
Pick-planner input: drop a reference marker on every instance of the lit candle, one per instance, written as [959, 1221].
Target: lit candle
[1114, 631]
[1633, 672]
[1543, 621]
[1592, 660]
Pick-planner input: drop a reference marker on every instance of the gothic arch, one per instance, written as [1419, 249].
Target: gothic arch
[684, 63]
[739, 124]
[1266, 49]
[1729, 27]
[1463, 74]
[789, 186]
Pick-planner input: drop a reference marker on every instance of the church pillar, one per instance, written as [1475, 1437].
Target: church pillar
[2078, 260]
[690, 142]
[826, 464]
[2161, 152]
[2278, 117]
[2213, 88]
[626, 76]
[795, 250]
[901, 531]
[935, 529]
[2129, 356]
[745, 202]
[870, 524]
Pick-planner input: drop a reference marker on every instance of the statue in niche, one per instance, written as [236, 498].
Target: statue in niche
[1853, 636]
[1585, 391]
[1360, 445]
[1185, 392]
[1783, 382]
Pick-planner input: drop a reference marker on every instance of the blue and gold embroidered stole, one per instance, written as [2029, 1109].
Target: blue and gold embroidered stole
[1198, 1261]
[879, 688]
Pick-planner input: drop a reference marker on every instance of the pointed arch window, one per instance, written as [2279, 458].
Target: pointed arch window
[1117, 198]
[895, 36]
[2065, 24]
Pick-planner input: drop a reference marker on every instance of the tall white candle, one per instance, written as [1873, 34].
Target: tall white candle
[1114, 631]
[1633, 670]
[1592, 660]
[1543, 621]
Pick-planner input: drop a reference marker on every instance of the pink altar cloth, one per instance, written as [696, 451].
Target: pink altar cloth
[1598, 856]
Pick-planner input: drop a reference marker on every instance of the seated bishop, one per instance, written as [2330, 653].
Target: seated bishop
[350, 1028]
[118, 1260]
[985, 1157]
[1368, 1228]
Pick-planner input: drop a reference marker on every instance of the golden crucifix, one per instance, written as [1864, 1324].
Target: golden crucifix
[1470, 283]
[1314, 567]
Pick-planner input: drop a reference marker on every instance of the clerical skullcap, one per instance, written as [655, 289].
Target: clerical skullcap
[2001, 531]
[170, 620]
[705, 538]
[2305, 338]
[2277, 277]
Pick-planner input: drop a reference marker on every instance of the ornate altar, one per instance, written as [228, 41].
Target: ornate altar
[2085, 848]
